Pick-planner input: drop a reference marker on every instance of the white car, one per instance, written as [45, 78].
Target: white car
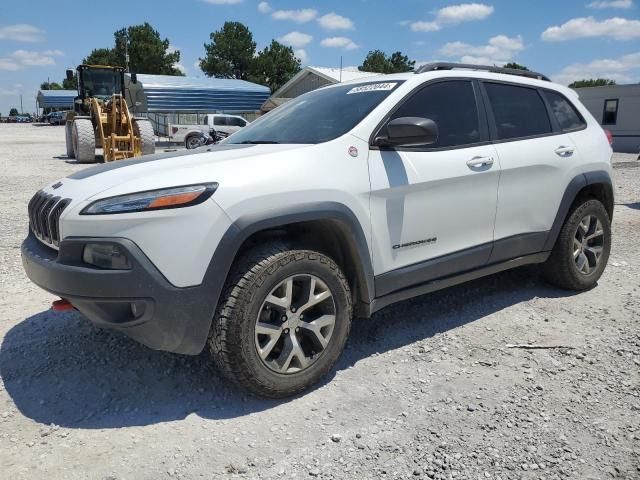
[212, 122]
[341, 202]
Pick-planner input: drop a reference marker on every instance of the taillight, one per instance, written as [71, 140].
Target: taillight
[609, 136]
[174, 130]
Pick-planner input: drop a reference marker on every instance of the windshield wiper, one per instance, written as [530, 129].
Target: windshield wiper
[257, 142]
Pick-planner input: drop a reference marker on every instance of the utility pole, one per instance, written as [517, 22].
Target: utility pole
[126, 50]
[21, 111]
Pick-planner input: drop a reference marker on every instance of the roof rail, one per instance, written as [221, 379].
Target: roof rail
[430, 67]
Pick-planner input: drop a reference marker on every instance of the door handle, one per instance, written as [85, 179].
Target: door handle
[480, 162]
[564, 151]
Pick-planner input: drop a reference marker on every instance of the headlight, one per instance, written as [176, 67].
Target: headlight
[176, 197]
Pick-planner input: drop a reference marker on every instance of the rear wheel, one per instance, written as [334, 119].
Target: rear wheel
[68, 135]
[192, 141]
[282, 322]
[582, 250]
[84, 140]
[144, 131]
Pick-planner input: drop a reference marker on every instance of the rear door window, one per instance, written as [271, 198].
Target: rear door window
[518, 112]
[219, 121]
[566, 114]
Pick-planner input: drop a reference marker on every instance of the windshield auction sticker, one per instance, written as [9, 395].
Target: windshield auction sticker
[372, 87]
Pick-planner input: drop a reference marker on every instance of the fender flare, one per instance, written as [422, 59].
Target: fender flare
[574, 187]
[225, 254]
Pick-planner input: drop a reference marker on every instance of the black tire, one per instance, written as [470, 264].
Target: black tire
[84, 140]
[144, 131]
[233, 338]
[561, 268]
[68, 135]
[191, 142]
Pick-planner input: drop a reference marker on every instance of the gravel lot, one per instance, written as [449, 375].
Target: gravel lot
[428, 389]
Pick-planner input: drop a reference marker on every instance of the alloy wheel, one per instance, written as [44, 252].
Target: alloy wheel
[588, 243]
[295, 324]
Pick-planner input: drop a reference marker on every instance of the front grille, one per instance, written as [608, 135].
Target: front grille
[44, 216]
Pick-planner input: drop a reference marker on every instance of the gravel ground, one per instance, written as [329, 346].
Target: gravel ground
[428, 389]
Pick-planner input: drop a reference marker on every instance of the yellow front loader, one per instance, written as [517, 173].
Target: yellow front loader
[101, 118]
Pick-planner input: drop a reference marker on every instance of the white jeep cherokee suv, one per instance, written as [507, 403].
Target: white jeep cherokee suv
[339, 203]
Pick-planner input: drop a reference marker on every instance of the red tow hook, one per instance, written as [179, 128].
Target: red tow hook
[61, 305]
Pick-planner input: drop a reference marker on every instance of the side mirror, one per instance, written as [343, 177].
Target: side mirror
[134, 78]
[409, 132]
[70, 75]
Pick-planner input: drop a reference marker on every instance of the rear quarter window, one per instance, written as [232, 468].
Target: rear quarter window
[564, 111]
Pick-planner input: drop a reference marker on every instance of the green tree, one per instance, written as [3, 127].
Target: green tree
[597, 82]
[70, 84]
[515, 66]
[102, 56]
[377, 61]
[274, 66]
[148, 52]
[50, 86]
[230, 53]
[13, 112]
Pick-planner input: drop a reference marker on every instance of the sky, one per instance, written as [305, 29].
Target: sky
[565, 39]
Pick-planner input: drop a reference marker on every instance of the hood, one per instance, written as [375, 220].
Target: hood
[158, 171]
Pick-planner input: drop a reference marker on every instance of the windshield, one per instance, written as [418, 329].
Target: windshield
[101, 82]
[317, 116]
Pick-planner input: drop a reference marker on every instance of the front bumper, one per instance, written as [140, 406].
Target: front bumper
[139, 302]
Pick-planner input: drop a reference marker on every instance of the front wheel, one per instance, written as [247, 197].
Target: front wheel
[68, 135]
[582, 249]
[283, 321]
[143, 129]
[84, 140]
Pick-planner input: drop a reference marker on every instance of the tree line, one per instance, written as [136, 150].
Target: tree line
[232, 53]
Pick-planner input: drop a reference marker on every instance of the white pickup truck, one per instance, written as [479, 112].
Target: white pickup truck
[218, 122]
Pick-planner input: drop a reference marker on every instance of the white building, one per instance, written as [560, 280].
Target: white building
[312, 78]
[617, 109]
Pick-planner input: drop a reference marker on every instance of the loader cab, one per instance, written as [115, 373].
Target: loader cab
[98, 81]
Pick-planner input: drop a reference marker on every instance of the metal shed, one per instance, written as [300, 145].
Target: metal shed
[56, 98]
[164, 93]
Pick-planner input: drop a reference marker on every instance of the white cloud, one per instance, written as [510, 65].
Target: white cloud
[584, 27]
[21, 32]
[7, 92]
[622, 69]
[499, 50]
[333, 21]
[339, 42]
[301, 55]
[24, 58]
[172, 48]
[452, 15]
[425, 26]
[55, 53]
[300, 16]
[264, 7]
[222, 2]
[180, 67]
[611, 4]
[295, 39]
[33, 59]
